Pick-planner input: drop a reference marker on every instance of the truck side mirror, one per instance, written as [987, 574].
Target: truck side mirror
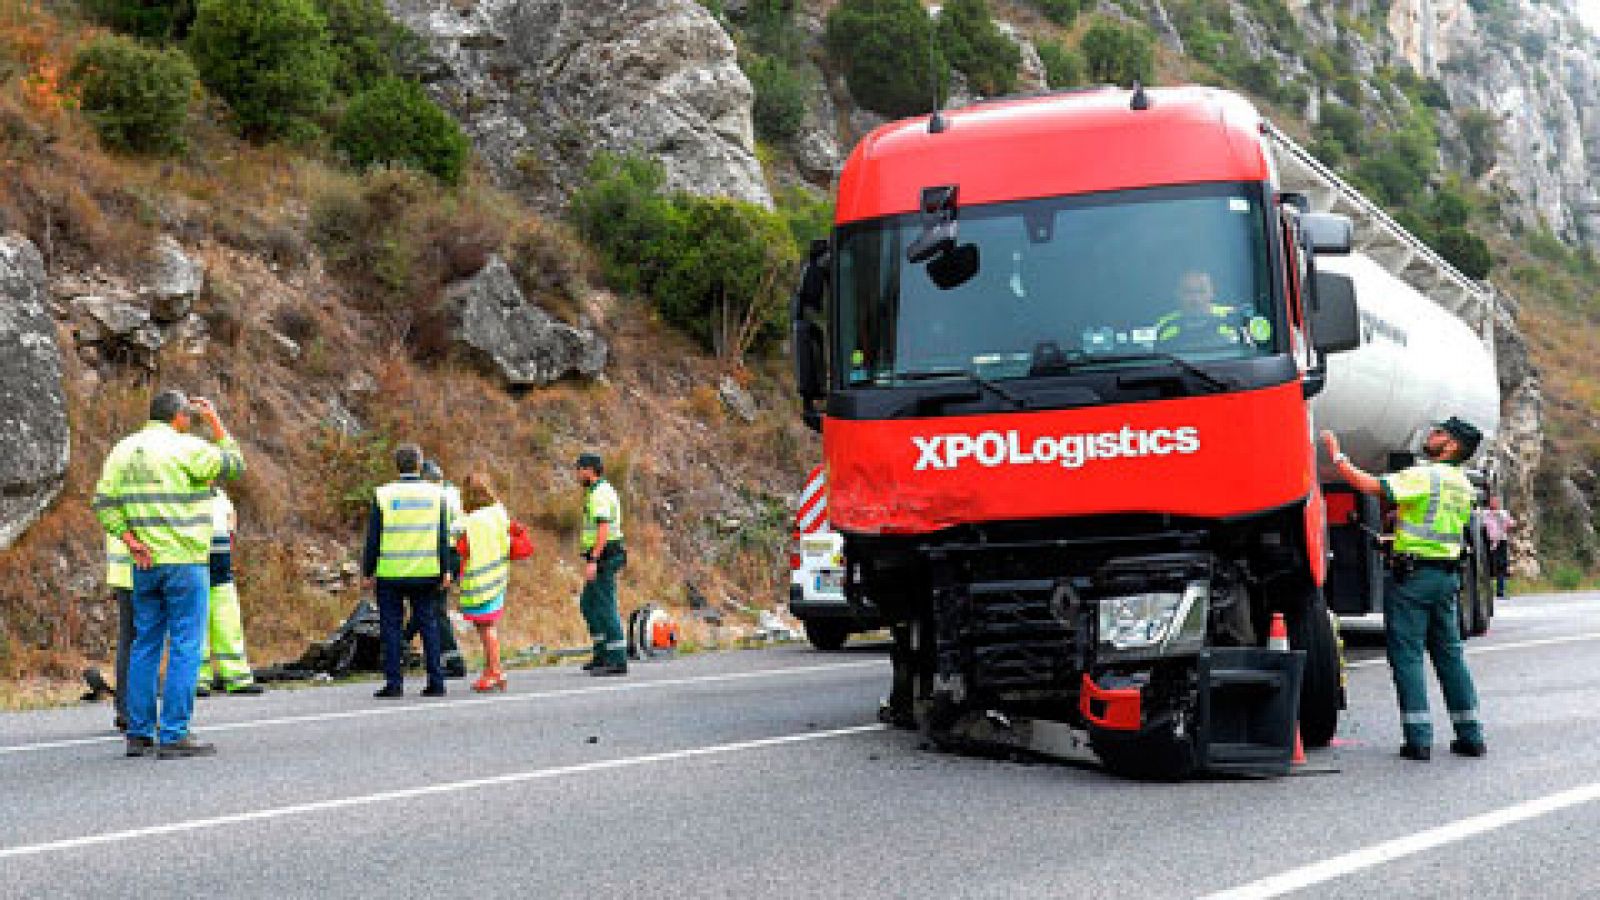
[810, 369]
[1335, 317]
[813, 279]
[1328, 233]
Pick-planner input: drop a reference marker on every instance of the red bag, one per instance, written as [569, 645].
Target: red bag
[521, 541]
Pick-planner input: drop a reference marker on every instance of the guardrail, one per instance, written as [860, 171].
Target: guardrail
[1381, 238]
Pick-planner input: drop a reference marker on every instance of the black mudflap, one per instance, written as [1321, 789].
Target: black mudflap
[1249, 704]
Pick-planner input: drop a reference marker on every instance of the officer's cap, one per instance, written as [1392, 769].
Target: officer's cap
[590, 461]
[1463, 431]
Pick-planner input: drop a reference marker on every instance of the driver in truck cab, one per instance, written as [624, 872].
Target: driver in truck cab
[1199, 321]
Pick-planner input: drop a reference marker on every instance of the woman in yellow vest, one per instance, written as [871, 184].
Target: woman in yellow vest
[486, 572]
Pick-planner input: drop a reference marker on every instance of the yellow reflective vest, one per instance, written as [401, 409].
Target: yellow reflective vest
[408, 541]
[157, 483]
[1173, 325]
[600, 504]
[488, 563]
[119, 564]
[1434, 502]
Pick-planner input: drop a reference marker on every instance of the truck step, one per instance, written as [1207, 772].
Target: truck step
[1247, 678]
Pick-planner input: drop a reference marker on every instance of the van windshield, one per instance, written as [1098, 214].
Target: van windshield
[1058, 285]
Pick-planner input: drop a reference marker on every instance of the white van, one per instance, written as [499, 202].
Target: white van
[816, 573]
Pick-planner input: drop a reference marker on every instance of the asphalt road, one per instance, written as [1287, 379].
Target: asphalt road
[762, 774]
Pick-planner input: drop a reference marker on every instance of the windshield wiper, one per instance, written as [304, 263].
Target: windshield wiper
[1215, 382]
[964, 375]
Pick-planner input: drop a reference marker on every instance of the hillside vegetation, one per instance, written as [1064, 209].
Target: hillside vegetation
[325, 224]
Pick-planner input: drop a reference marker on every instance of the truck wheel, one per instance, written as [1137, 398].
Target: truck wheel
[1311, 630]
[826, 636]
[1482, 587]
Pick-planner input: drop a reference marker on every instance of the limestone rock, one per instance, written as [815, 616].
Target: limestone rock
[737, 399]
[496, 324]
[542, 85]
[34, 437]
[174, 281]
[109, 318]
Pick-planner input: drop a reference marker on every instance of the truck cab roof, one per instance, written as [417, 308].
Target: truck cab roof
[1056, 144]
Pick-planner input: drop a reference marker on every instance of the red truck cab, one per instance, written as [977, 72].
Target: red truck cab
[1060, 349]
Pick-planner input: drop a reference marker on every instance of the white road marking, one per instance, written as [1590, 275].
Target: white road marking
[1477, 649]
[421, 708]
[278, 812]
[1388, 851]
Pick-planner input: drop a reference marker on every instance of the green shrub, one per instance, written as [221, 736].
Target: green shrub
[1118, 55]
[1061, 12]
[883, 48]
[974, 44]
[718, 269]
[395, 123]
[1465, 250]
[1481, 132]
[271, 60]
[625, 213]
[808, 212]
[367, 42]
[1566, 577]
[781, 94]
[1063, 68]
[1342, 124]
[770, 28]
[136, 96]
[156, 19]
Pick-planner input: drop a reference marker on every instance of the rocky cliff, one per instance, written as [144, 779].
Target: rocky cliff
[542, 85]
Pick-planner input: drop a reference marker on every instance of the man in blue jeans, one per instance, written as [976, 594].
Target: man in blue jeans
[154, 494]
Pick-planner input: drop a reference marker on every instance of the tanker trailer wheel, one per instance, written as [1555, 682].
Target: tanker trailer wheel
[1311, 630]
[1481, 590]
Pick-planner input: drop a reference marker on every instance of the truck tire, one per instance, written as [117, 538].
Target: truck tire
[826, 636]
[1321, 694]
[1482, 587]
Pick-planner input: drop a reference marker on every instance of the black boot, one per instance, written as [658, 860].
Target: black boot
[1418, 752]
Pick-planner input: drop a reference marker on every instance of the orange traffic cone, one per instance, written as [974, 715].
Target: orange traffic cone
[1278, 635]
[1278, 640]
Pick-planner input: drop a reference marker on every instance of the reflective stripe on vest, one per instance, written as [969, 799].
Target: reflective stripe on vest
[601, 502]
[119, 564]
[489, 555]
[408, 544]
[157, 483]
[1432, 528]
[1171, 326]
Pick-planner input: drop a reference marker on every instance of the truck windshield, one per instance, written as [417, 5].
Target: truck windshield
[1059, 284]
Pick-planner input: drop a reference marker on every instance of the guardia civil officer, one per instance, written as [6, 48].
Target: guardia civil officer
[1433, 502]
[409, 559]
[603, 557]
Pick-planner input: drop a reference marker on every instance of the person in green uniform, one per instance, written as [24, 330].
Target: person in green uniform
[1433, 501]
[603, 557]
[223, 663]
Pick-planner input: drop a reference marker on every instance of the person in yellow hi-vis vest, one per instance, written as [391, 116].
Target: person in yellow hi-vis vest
[222, 658]
[409, 560]
[1199, 322]
[119, 580]
[154, 494]
[486, 572]
[1433, 503]
[603, 556]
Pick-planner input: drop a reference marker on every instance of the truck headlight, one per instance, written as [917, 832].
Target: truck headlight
[1156, 623]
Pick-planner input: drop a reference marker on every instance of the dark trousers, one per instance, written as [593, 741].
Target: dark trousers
[1420, 617]
[393, 596]
[448, 648]
[598, 603]
[124, 598]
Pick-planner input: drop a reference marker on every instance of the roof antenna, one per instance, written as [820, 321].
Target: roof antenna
[1141, 100]
[936, 122]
